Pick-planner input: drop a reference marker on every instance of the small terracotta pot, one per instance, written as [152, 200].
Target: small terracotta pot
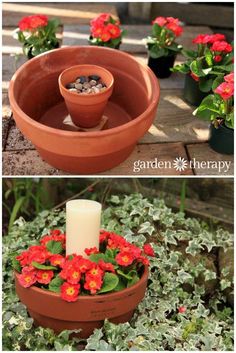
[86, 110]
[87, 313]
[131, 109]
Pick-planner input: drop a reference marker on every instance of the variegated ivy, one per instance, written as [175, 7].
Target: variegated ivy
[186, 306]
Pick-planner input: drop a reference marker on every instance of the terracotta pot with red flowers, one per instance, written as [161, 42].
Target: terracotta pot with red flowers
[213, 57]
[76, 292]
[105, 31]
[86, 109]
[37, 34]
[40, 111]
[162, 48]
[218, 108]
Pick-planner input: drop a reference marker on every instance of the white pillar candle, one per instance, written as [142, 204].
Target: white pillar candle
[83, 218]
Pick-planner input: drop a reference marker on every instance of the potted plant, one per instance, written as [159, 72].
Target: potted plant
[84, 100]
[162, 48]
[37, 34]
[218, 108]
[76, 292]
[213, 57]
[105, 31]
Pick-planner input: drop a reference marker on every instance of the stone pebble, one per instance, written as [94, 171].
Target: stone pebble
[87, 85]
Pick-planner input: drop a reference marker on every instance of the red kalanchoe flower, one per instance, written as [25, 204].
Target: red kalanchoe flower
[33, 22]
[221, 46]
[148, 250]
[70, 292]
[93, 284]
[217, 58]
[202, 39]
[144, 260]
[84, 265]
[161, 21]
[57, 260]
[195, 77]
[216, 37]
[124, 258]
[95, 271]
[104, 235]
[105, 35]
[89, 251]
[182, 309]
[38, 253]
[177, 30]
[225, 90]
[23, 258]
[28, 277]
[44, 276]
[106, 266]
[114, 30]
[229, 78]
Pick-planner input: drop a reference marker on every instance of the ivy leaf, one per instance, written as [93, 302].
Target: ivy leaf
[201, 311]
[184, 277]
[55, 284]
[146, 228]
[224, 283]
[209, 275]
[193, 247]
[43, 267]
[110, 281]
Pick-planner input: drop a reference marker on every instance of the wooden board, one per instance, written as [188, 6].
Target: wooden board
[203, 153]
[67, 12]
[10, 64]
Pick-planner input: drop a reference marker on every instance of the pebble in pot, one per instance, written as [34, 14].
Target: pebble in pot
[87, 85]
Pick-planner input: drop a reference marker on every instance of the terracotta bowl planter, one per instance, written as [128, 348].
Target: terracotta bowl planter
[86, 110]
[39, 109]
[87, 313]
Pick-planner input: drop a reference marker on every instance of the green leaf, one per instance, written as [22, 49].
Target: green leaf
[97, 257]
[205, 85]
[55, 247]
[217, 81]
[16, 264]
[134, 280]
[55, 284]
[43, 267]
[156, 30]
[209, 57]
[121, 285]
[125, 275]
[110, 281]
[15, 211]
[156, 51]
[189, 53]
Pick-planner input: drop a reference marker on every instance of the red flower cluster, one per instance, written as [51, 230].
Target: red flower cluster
[171, 23]
[217, 44]
[76, 272]
[32, 23]
[226, 89]
[105, 27]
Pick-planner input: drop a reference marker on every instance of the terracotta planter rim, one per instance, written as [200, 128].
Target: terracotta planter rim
[86, 96]
[91, 297]
[71, 134]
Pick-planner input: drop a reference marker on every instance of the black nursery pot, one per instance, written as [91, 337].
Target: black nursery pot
[104, 44]
[161, 66]
[192, 93]
[222, 139]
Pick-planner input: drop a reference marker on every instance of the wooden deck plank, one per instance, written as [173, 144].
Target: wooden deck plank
[30, 163]
[202, 152]
[174, 121]
[67, 12]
